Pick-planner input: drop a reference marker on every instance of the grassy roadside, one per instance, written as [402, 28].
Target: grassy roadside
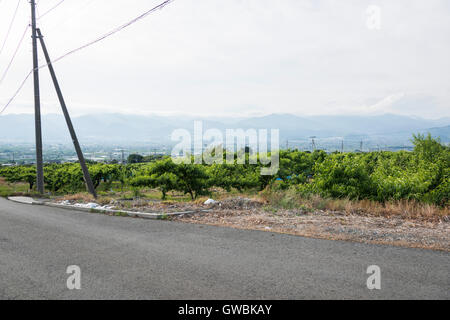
[272, 201]
[403, 223]
[12, 189]
[409, 209]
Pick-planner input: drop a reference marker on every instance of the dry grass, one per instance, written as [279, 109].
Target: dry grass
[289, 199]
[13, 189]
[200, 200]
[409, 209]
[404, 208]
[84, 197]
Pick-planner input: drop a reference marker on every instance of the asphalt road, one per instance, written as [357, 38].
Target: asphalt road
[129, 258]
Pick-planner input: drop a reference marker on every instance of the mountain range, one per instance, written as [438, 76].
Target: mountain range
[128, 128]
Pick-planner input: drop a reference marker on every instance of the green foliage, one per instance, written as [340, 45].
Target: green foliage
[423, 175]
[135, 158]
[153, 157]
[167, 176]
[166, 182]
[19, 174]
[65, 177]
[427, 147]
[227, 176]
[192, 179]
[343, 176]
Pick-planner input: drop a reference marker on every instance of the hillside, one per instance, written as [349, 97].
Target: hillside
[137, 128]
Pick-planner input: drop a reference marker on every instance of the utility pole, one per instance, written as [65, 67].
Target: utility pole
[37, 105]
[313, 143]
[87, 177]
[342, 146]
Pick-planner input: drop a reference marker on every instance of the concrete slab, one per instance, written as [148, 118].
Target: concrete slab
[25, 200]
[145, 215]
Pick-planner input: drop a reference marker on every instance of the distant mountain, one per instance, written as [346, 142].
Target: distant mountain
[382, 124]
[442, 132]
[290, 126]
[121, 128]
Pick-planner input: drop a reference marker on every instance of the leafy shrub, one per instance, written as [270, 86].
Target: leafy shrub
[422, 175]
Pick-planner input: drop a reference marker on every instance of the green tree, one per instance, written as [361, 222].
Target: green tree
[135, 158]
[20, 174]
[165, 182]
[192, 179]
[427, 147]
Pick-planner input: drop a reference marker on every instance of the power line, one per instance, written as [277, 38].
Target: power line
[17, 91]
[115, 30]
[10, 26]
[106, 35]
[51, 9]
[14, 55]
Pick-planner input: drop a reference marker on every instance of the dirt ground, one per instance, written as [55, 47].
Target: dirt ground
[245, 213]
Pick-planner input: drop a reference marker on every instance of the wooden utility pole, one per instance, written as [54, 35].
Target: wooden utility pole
[87, 177]
[313, 143]
[37, 105]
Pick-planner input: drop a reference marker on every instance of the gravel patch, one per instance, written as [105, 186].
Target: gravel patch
[330, 225]
[245, 213]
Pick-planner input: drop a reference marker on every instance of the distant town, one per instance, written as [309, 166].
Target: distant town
[25, 153]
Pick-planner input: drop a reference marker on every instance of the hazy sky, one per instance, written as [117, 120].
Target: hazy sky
[238, 57]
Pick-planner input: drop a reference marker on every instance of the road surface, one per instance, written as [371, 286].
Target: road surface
[129, 258]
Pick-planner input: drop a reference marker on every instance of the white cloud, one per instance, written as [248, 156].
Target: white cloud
[240, 57]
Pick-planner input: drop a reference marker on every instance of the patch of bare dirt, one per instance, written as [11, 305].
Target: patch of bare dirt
[248, 214]
[144, 205]
[255, 214]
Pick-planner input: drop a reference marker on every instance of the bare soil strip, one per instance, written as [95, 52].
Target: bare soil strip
[245, 213]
